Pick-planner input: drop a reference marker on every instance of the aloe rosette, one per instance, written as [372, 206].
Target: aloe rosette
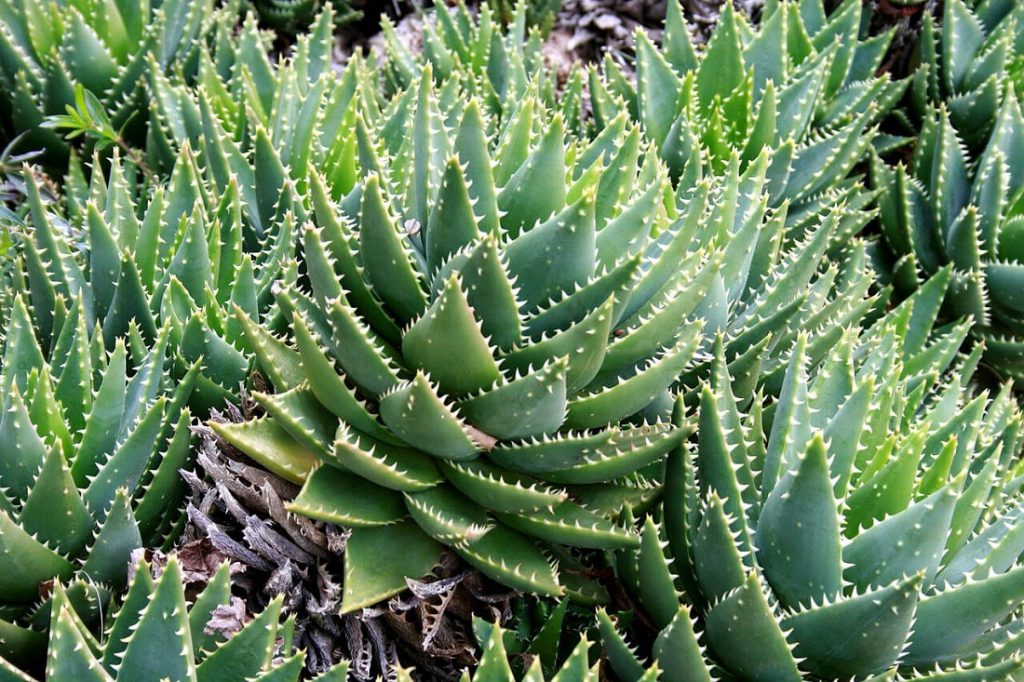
[47, 49]
[865, 525]
[967, 61]
[157, 634]
[141, 259]
[494, 322]
[950, 208]
[92, 442]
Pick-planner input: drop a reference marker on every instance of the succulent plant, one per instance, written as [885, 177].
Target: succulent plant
[92, 445]
[293, 16]
[157, 634]
[496, 56]
[237, 513]
[496, 665]
[570, 297]
[142, 259]
[814, 100]
[49, 48]
[802, 84]
[967, 62]
[954, 209]
[865, 522]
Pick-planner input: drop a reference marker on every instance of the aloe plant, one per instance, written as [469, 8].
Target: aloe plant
[802, 84]
[967, 61]
[93, 443]
[499, 179]
[142, 259]
[953, 209]
[956, 201]
[866, 522]
[294, 16]
[509, 250]
[107, 48]
[157, 634]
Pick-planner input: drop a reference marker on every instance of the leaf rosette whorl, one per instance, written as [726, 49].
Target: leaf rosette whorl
[865, 523]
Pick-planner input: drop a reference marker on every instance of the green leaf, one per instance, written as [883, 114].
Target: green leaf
[657, 89]
[627, 450]
[452, 224]
[139, 593]
[621, 655]
[721, 68]
[850, 637]
[360, 352]
[368, 580]
[160, 645]
[464, 362]
[555, 256]
[445, 515]
[330, 388]
[573, 525]
[528, 406]
[743, 630]
[390, 466]
[69, 655]
[334, 496]
[658, 594]
[798, 532]
[584, 343]
[19, 435]
[512, 559]
[101, 426]
[497, 489]
[418, 414]
[117, 539]
[300, 414]
[387, 257]
[911, 541]
[488, 289]
[128, 464]
[270, 445]
[277, 360]
[677, 651]
[951, 619]
[26, 563]
[537, 189]
[609, 404]
[217, 593]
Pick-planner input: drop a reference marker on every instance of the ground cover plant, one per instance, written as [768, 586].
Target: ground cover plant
[429, 354]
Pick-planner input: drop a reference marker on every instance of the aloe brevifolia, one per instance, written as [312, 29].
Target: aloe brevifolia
[236, 511]
[311, 143]
[967, 62]
[866, 522]
[150, 258]
[951, 208]
[156, 634]
[566, 296]
[958, 199]
[49, 48]
[803, 84]
[92, 445]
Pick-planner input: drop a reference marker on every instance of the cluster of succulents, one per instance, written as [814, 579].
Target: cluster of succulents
[955, 204]
[50, 48]
[450, 357]
[868, 529]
